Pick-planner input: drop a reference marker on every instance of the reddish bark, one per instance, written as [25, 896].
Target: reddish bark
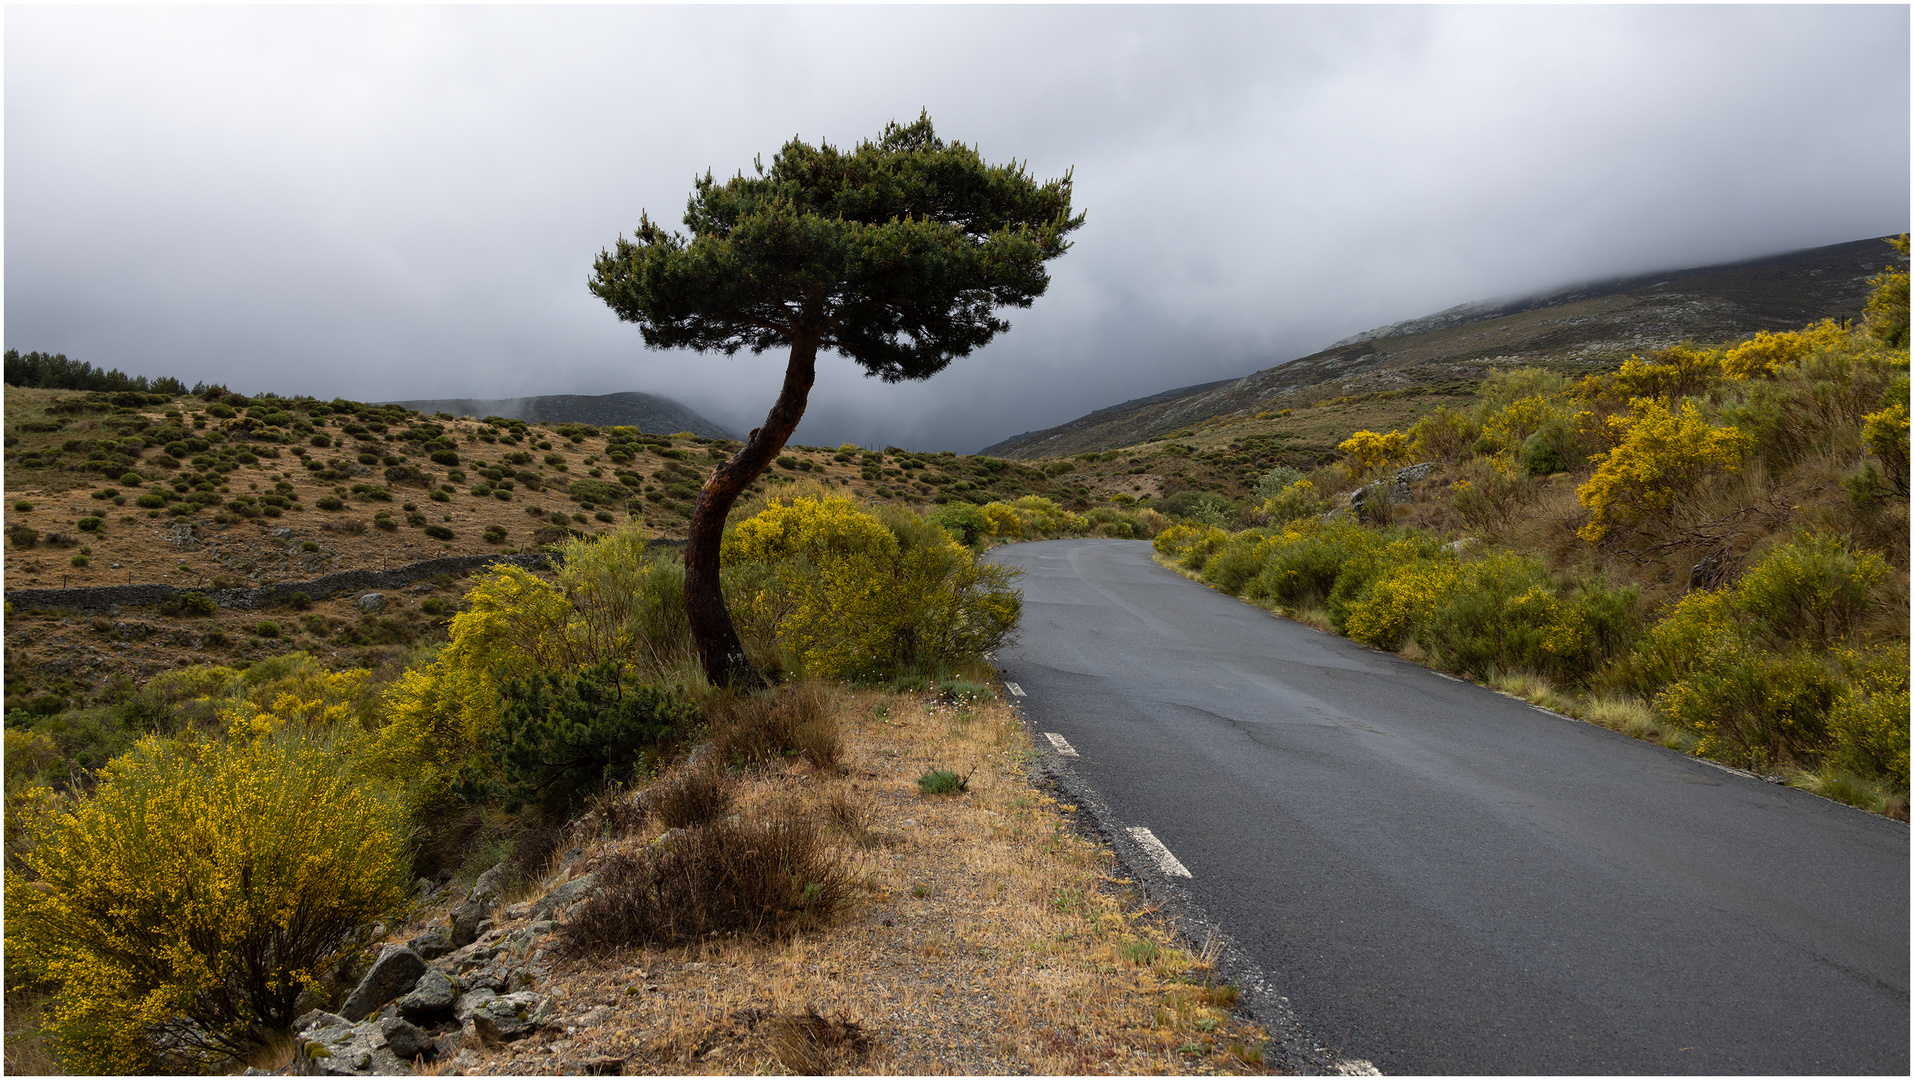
[711, 628]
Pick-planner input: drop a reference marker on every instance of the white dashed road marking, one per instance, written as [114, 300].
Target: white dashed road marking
[1148, 842]
[1062, 744]
[1015, 690]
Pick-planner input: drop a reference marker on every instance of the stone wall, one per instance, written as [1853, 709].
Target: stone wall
[105, 598]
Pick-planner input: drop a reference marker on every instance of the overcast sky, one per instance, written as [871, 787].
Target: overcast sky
[383, 203]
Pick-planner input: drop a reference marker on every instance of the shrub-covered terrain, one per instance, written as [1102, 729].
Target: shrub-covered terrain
[212, 815]
[1707, 546]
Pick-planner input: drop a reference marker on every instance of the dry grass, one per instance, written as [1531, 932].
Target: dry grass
[28, 1052]
[978, 933]
[794, 722]
[693, 797]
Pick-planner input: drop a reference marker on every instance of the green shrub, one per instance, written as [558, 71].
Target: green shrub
[1812, 590]
[23, 506]
[965, 523]
[90, 524]
[329, 502]
[445, 457]
[1868, 726]
[188, 605]
[942, 782]
[493, 535]
[266, 628]
[563, 735]
[856, 595]
[438, 532]
[1239, 560]
[23, 536]
[1275, 481]
[1753, 708]
[1302, 571]
[199, 889]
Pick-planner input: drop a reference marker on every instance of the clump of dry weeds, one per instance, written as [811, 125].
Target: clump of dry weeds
[716, 877]
[795, 721]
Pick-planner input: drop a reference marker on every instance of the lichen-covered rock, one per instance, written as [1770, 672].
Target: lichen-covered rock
[491, 884]
[570, 892]
[344, 1049]
[469, 1002]
[431, 945]
[407, 1041]
[431, 997]
[510, 1017]
[466, 918]
[393, 974]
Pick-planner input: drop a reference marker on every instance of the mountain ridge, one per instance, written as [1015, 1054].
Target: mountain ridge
[1579, 328]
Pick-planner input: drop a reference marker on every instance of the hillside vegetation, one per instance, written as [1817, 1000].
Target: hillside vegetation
[1707, 547]
[1576, 331]
[215, 815]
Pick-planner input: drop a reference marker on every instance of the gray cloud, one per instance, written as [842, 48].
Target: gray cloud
[398, 203]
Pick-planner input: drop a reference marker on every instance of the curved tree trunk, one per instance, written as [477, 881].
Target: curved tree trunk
[718, 646]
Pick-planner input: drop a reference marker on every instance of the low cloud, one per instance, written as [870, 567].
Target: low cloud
[404, 203]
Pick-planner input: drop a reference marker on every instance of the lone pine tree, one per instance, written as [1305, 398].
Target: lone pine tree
[896, 254]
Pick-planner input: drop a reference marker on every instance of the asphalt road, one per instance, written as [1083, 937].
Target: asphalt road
[1445, 880]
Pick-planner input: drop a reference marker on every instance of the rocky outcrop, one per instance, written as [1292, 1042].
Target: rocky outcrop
[393, 974]
[1399, 488]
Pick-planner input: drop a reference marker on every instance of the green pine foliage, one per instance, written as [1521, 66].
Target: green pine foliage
[564, 735]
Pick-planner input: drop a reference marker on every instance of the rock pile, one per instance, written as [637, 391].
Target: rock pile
[423, 1001]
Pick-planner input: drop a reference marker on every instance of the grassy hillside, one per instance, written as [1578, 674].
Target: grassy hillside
[1707, 547]
[1589, 328]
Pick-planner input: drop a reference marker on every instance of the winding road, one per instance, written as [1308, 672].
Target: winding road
[1442, 879]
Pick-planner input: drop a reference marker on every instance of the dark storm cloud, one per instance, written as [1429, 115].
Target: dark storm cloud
[396, 203]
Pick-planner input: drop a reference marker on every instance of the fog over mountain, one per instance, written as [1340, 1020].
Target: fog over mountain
[404, 203]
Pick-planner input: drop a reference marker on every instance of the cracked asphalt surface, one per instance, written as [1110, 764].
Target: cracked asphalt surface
[1442, 879]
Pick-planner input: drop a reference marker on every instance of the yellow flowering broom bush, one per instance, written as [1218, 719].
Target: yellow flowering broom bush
[1661, 456]
[857, 596]
[200, 888]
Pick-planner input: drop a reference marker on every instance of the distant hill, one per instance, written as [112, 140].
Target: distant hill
[647, 412]
[1589, 327]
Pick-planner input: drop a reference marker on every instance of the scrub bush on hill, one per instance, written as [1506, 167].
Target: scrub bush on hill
[564, 735]
[1768, 673]
[853, 596]
[200, 888]
[1661, 456]
[1481, 615]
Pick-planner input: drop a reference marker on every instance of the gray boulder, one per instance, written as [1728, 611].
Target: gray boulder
[407, 1041]
[431, 997]
[370, 602]
[394, 973]
[431, 945]
[509, 1017]
[348, 1050]
[570, 892]
[491, 884]
[466, 919]
[1396, 489]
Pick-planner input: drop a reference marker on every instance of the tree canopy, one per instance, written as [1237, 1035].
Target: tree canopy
[897, 254]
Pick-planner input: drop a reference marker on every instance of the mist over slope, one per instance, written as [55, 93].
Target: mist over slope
[648, 413]
[1583, 328]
